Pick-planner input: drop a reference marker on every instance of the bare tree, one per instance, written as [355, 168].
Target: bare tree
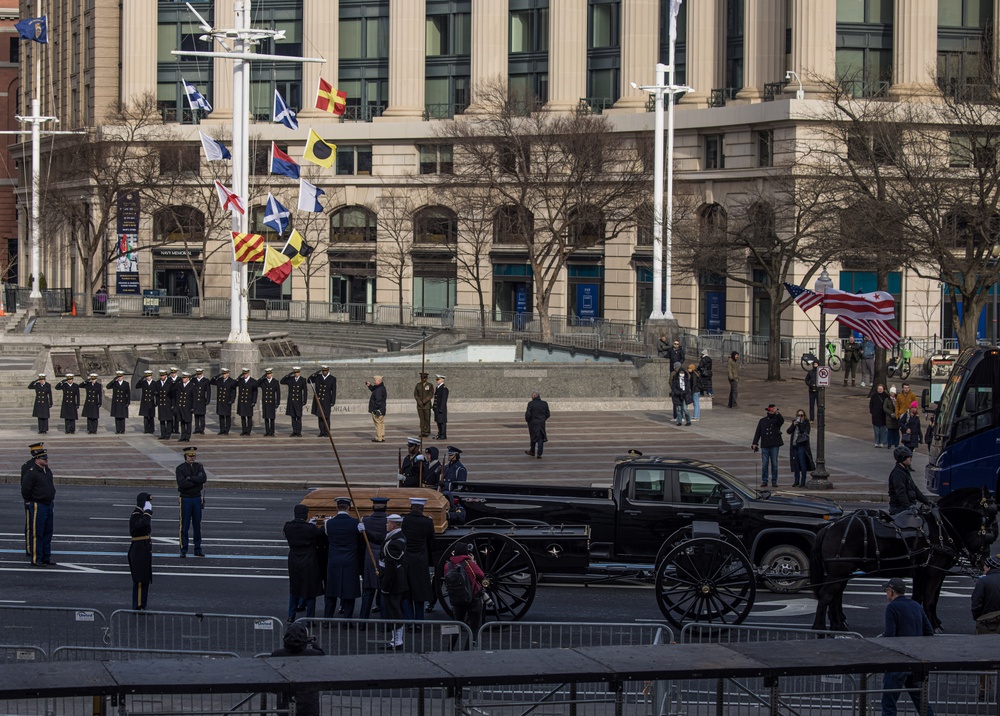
[315, 230]
[395, 238]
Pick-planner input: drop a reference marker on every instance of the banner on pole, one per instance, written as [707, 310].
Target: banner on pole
[127, 243]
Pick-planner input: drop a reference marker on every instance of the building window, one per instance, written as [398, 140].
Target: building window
[353, 224]
[712, 294]
[864, 46]
[879, 148]
[734, 44]
[528, 60]
[513, 225]
[436, 159]
[364, 38]
[680, 42]
[434, 293]
[585, 227]
[435, 225]
[178, 30]
[363, 64]
[964, 13]
[449, 34]
[178, 224]
[715, 157]
[765, 148]
[180, 160]
[972, 151]
[529, 30]
[448, 68]
[586, 292]
[262, 95]
[354, 160]
[644, 216]
[603, 53]
[15, 50]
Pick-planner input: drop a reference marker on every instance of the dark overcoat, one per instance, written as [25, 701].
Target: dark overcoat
[184, 393]
[376, 528]
[343, 570]
[225, 394]
[305, 573]
[121, 397]
[140, 551]
[441, 404]
[270, 397]
[147, 403]
[298, 393]
[202, 394]
[70, 409]
[164, 400]
[246, 397]
[43, 399]
[93, 399]
[419, 532]
[325, 388]
[393, 577]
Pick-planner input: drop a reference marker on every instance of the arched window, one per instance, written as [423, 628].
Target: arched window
[760, 225]
[435, 225]
[353, 224]
[178, 224]
[513, 225]
[713, 220]
[585, 226]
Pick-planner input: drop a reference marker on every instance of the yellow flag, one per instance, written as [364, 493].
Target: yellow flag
[277, 266]
[296, 249]
[319, 151]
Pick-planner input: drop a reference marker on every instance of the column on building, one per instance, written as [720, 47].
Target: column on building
[763, 46]
[490, 43]
[914, 48]
[407, 59]
[138, 52]
[222, 69]
[319, 23]
[814, 36]
[703, 52]
[567, 54]
[640, 50]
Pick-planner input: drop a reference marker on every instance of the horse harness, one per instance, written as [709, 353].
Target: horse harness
[910, 527]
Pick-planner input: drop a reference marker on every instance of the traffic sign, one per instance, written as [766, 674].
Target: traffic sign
[823, 376]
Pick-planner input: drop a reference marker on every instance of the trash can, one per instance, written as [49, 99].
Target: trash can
[10, 300]
[392, 345]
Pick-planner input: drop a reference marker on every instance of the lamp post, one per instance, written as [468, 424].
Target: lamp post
[820, 476]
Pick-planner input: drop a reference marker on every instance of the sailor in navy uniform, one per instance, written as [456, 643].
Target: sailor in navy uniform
[202, 398]
[184, 402]
[165, 405]
[147, 403]
[43, 402]
[246, 400]
[225, 394]
[70, 402]
[92, 402]
[325, 387]
[270, 399]
[121, 396]
[454, 470]
[298, 393]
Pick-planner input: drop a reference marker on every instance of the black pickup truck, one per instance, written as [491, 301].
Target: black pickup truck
[653, 501]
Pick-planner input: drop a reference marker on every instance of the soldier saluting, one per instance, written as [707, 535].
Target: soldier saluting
[202, 397]
[246, 399]
[43, 402]
[225, 394]
[70, 402]
[165, 405]
[270, 398]
[298, 392]
[325, 397]
[92, 402]
[147, 403]
[121, 396]
[184, 402]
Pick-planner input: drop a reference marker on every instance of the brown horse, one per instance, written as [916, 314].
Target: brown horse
[863, 543]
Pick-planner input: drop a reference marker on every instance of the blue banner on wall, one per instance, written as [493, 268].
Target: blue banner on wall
[127, 243]
[587, 301]
[715, 310]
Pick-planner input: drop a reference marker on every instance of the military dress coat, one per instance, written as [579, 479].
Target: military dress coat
[305, 572]
[121, 396]
[70, 409]
[147, 403]
[93, 399]
[246, 397]
[225, 394]
[270, 397]
[326, 391]
[298, 393]
[184, 401]
[376, 528]
[164, 400]
[43, 399]
[202, 395]
[419, 532]
[392, 580]
[140, 551]
[441, 404]
[343, 569]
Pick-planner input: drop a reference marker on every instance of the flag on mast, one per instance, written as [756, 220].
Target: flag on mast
[318, 151]
[229, 200]
[283, 113]
[330, 100]
[214, 151]
[283, 164]
[874, 306]
[275, 215]
[248, 248]
[277, 266]
[296, 249]
[309, 195]
[195, 98]
[35, 29]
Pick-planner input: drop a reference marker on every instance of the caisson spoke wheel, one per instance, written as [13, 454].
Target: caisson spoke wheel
[511, 577]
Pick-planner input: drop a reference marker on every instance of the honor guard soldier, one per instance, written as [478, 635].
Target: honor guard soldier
[411, 464]
[191, 479]
[39, 493]
[270, 399]
[375, 529]
[432, 469]
[35, 449]
[92, 402]
[202, 397]
[423, 394]
[147, 403]
[392, 580]
[441, 408]
[343, 568]
[165, 405]
[121, 396]
[419, 532]
[454, 470]
[70, 402]
[184, 394]
[246, 400]
[306, 545]
[298, 392]
[225, 395]
[43, 402]
[324, 397]
[140, 551]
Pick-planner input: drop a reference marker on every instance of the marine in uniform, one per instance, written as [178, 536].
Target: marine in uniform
[92, 402]
[147, 403]
[423, 394]
[38, 491]
[191, 479]
[246, 400]
[411, 467]
[376, 528]
[225, 394]
[298, 392]
[184, 402]
[343, 568]
[165, 405]
[419, 532]
[140, 550]
[70, 402]
[121, 396]
[202, 398]
[270, 399]
[324, 397]
[392, 580]
[441, 408]
[305, 571]
[43, 402]
[454, 470]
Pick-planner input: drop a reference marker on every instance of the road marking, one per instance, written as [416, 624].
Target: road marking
[167, 519]
[244, 509]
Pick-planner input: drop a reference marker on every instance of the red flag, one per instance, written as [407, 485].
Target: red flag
[805, 298]
[248, 247]
[330, 100]
[228, 199]
[277, 266]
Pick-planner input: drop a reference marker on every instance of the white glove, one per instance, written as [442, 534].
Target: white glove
[148, 507]
[419, 458]
[361, 527]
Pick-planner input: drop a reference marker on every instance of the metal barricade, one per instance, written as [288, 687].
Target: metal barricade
[343, 637]
[49, 627]
[110, 653]
[964, 692]
[244, 634]
[20, 654]
[495, 636]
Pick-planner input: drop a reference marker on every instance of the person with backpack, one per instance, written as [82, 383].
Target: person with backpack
[463, 583]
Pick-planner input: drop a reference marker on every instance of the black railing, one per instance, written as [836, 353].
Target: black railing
[773, 90]
[362, 113]
[869, 89]
[721, 95]
[963, 91]
[184, 116]
[444, 110]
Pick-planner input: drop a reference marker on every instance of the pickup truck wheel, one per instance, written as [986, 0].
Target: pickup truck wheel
[705, 579]
[785, 560]
[511, 577]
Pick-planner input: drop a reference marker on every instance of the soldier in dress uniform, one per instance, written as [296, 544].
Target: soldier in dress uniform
[43, 402]
[298, 392]
[92, 402]
[419, 532]
[38, 491]
[305, 571]
[121, 396]
[70, 402]
[454, 470]
[184, 402]
[36, 449]
[147, 403]
[191, 479]
[246, 400]
[343, 568]
[174, 380]
[140, 551]
[165, 405]
[441, 407]
[202, 397]
[270, 399]
[392, 580]
[410, 469]
[225, 394]
[423, 394]
[324, 397]
[375, 528]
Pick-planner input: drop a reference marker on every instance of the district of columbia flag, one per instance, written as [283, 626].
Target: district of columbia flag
[283, 164]
[229, 200]
[195, 99]
[214, 151]
[882, 333]
[309, 195]
[805, 298]
[277, 266]
[282, 112]
[330, 100]
[248, 247]
[319, 151]
[296, 249]
[275, 215]
[35, 29]
[875, 306]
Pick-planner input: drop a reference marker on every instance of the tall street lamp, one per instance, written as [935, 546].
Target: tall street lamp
[820, 476]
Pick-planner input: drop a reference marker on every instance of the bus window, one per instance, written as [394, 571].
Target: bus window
[975, 411]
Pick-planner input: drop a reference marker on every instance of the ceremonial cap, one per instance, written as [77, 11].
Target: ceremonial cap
[439, 376]
[223, 371]
[41, 375]
[92, 375]
[120, 372]
[198, 371]
[383, 501]
[190, 451]
[296, 369]
[454, 450]
[324, 367]
[146, 372]
[412, 441]
[423, 375]
[343, 502]
[394, 518]
[993, 561]
[268, 370]
[418, 501]
[185, 374]
[69, 375]
[173, 369]
[245, 371]
[163, 371]
[301, 511]
[36, 447]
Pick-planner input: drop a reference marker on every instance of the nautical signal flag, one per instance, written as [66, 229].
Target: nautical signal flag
[283, 113]
[248, 247]
[296, 249]
[275, 215]
[277, 266]
[34, 28]
[309, 195]
[195, 98]
[229, 200]
[330, 100]
[283, 164]
[214, 151]
[319, 151]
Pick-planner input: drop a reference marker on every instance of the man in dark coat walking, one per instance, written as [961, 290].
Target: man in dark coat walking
[140, 550]
[191, 479]
[305, 572]
[675, 353]
[441, 408]
[38, 491]
[147, 402]
[419, 532]
[680, 394]
[42, 403]
[225, 394]
[903, 617]
[768, 439]
[324, 397]
[298, 393]
[392, 580]
[92, 401]
[535, 416]
[184, 393]
[376, 407]
[121, 397]
[246, 401]
[376, 528]
[165, 405]
[270, 399]
[343, 569]
[70, 402]
[202, 398]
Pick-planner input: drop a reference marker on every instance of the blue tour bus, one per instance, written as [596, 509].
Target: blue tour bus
[965, 448]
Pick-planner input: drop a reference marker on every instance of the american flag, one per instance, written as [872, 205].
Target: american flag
[875, 306]
[881, 332]
[805, 298]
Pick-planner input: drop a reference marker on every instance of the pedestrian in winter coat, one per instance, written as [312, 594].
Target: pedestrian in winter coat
[768, 440]
[852, 357]
[904, 399]
[733, 373]
[376, 407]
[705, 373]
[891, 423]
[680, 394]
[799, 450]
[675, 354]
[910, 431]
[696, 389]
[812, 385]
[876, 408]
